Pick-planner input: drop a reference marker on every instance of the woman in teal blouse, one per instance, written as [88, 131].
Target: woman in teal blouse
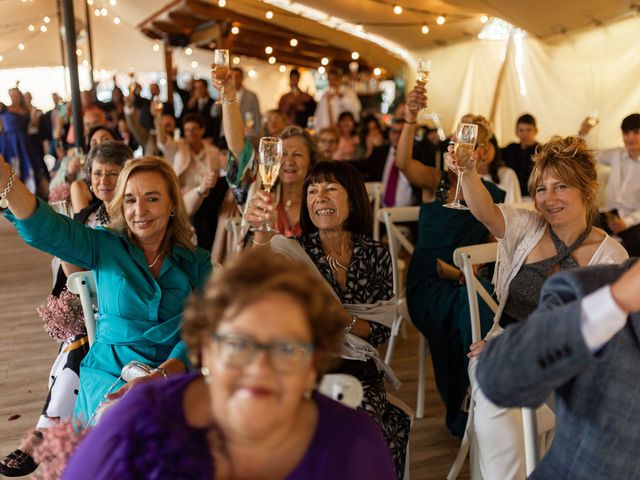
[145, 266]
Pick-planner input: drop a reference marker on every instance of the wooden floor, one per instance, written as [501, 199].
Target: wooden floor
[26, 354]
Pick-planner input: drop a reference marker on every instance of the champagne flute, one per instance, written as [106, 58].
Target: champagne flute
[592, 118]
[249, 121]
[269, 161]
[132, 83]
[423, 72]
[465, 142]
[156, 105]
[220, 68]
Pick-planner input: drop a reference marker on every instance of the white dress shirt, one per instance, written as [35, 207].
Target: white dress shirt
[404, 193]
[623, 188]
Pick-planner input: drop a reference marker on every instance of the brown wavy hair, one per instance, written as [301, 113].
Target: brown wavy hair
[247, 278]
[572, 162]
[485, 130]
[179, 228]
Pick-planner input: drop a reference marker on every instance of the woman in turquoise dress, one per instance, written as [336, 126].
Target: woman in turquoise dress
[15, 145]
[439, 307]
[145, 266]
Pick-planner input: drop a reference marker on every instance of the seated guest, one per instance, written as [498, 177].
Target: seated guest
[532, 245]
[491, 168]
[517, 156]
[438, 307]
[371, 136]
[622, 206]
[348, 142]
[336, 221]
[276, 123]
[80, 194]
[104, 164]
[243, 416]
[328, 139]
[296, 104]
[145, 265]
[299, 155]
[581, 344]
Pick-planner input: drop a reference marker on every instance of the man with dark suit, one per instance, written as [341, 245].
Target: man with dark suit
[583, 342]
[200, 103]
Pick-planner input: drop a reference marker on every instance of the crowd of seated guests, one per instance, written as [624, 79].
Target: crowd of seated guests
[146, 227]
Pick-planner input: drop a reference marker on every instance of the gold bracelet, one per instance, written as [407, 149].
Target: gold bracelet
[410, 123]
[260, 243]
[228, 102]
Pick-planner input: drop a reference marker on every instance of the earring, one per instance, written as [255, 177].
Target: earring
[91, 188]
[206, 374]
[307, 393]
[173, 213]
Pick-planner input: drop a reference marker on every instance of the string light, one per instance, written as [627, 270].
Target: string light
[293, 42]
[424, 29]
[222, 3]
[355, 55]
[236, 60]
[79, 52]
[321, 70]
[194, 64]
[252, 73]
[31, 28]
[188, 51]
[1, 58]
[324, 61]
[235, 30]
[113, 3]
[97, 12]
[85, 63]
[268, 50]
[397, 9]
[272, 60]
[377, 71]
[104, 11]
[441, 20]
[269, 14]
[89, 2]
[359, 27]
[21, 46]
[484, 19]
[282, 68]
[116, 20]
[156, 47]
[46, 20]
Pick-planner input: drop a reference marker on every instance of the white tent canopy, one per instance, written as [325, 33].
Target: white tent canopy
[557, 76]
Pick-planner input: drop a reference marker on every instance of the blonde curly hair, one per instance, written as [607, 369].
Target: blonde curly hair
[572, 162]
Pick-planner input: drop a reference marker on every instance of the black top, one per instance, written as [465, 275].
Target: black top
[519, 159]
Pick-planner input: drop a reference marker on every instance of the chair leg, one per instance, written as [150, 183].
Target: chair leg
[407, 465]
[460, 458]
[422, 354]
[390, 347]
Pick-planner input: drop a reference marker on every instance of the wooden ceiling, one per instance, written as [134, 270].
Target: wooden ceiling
[201, 24]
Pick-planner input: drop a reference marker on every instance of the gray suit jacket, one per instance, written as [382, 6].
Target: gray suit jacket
[597, 395]
[249, 104]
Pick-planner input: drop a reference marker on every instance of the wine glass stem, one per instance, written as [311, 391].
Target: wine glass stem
[458, 186]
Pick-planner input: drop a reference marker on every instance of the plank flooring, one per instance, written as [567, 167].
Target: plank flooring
[26, 354]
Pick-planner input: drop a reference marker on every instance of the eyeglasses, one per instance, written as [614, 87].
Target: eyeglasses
[287, 356]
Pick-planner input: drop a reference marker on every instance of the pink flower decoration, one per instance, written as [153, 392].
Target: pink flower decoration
[63, 316]
[60, 193]
[56, 448]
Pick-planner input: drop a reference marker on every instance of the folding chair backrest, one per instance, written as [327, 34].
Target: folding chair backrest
[84, 285]
[374, 190]
[465, 258]
[343, 388]
[391, 216]
[233, 226]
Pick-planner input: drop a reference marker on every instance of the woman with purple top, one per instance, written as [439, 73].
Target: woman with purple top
[263, 333]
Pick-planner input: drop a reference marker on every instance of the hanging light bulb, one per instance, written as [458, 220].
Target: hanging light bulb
[1, 58]
[116, 20]
[377, 71]
[269, 14]
[235, 30]
[424, 29]
[188, 51]
[89, 2]
[355, 55]
[252, 73]
[21, 46]
[113, 3]
[321, 70]
[359, 27]
[222, 3]
[236, 60]
[441, 20]
[282, 68]
[194, 64]
[46, 19]
[97, 12]
[85, 63]
[272, 60]
[79, 52]
[484, 19]
[324, 61]
[397, 9]
[293, 42]
[104, 11]
[156, 47]
[31, 28]
[268, 50]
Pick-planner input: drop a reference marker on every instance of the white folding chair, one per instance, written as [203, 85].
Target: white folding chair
[391, 216]
[233, 225]
[343, 388]
[465, 258]
[374, 190]
[84, 285]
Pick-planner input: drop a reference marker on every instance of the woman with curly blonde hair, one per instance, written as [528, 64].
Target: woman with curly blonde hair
[532, 245]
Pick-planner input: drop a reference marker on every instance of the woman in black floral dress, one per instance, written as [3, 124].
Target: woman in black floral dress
[336, 224]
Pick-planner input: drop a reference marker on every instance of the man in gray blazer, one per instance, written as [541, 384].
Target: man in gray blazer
[583, 342]
[249, 105]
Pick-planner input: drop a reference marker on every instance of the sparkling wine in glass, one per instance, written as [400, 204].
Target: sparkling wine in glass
[423, 71]
[132, 83]
[269, 161]
[156, 104]
[465, 142]
[220, 68]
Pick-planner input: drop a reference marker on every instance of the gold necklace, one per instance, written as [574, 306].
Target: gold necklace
[334, 263]
[156, 260]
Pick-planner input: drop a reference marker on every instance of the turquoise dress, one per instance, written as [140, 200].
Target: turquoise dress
[439, 308]
[138, 316]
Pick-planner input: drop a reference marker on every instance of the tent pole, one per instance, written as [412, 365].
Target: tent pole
[168, 67]
[87, 17]
[499, 81]
[62, 57]
[70, 33]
